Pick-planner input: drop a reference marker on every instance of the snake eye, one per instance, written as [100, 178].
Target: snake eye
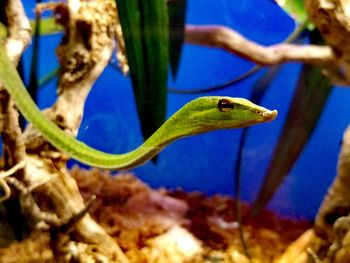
[225, 105]
[259, 112]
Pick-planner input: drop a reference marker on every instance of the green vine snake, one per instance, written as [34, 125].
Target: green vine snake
[201, 115]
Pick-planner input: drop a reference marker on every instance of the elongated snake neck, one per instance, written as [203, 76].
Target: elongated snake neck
[200, 115]
[10, 79]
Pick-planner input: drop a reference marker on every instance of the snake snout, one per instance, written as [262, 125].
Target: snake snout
[270, 115]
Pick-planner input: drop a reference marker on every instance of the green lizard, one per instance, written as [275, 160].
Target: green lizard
[201, 115]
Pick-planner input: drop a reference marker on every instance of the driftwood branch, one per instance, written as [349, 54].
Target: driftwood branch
[19, 38]
[332, 223]
[233, 42]
[337, 201]
[331, 19]
[19, 30]
[88, 46]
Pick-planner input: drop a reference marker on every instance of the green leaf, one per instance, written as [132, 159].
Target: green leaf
[145, 30]
[47, 26]
[310, 97]
[48, 77]
[3, 31]
[259, 89]
[296, 10]
[34, 67]
[177, 16]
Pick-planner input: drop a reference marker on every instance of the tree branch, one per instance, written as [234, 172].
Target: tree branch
[19, 38]
[83, 56]
[234, 43]
[335, 208]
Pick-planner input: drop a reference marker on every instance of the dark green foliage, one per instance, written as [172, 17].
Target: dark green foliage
[48, 26]
[10, 211]
[309, 99]
[33, 86]
[146, 34]
[34, 67]
[296, 9]
[177, 17]
[259, 89]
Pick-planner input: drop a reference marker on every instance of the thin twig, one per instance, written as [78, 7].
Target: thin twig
[292, 37]
[4, 174]
[19, 38]
[233, 42]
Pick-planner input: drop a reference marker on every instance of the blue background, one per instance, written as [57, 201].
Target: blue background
[205, 162]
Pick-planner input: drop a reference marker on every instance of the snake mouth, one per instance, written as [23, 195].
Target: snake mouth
[269, 115]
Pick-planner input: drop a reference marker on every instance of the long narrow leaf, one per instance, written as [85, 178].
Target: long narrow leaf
[3, 31]
[310, 97]
[34, 67]
[296, 10]
[145, 30]
[48, 77]
[259, 89]
[33, 75]
[177, 16]
[155, 37]
[48, 26]
[130, 20]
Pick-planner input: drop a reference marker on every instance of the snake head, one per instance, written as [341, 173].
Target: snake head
[207, 114]
[240, 109]
[215, 112]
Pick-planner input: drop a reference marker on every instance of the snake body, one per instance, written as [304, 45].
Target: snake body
[201, 115]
